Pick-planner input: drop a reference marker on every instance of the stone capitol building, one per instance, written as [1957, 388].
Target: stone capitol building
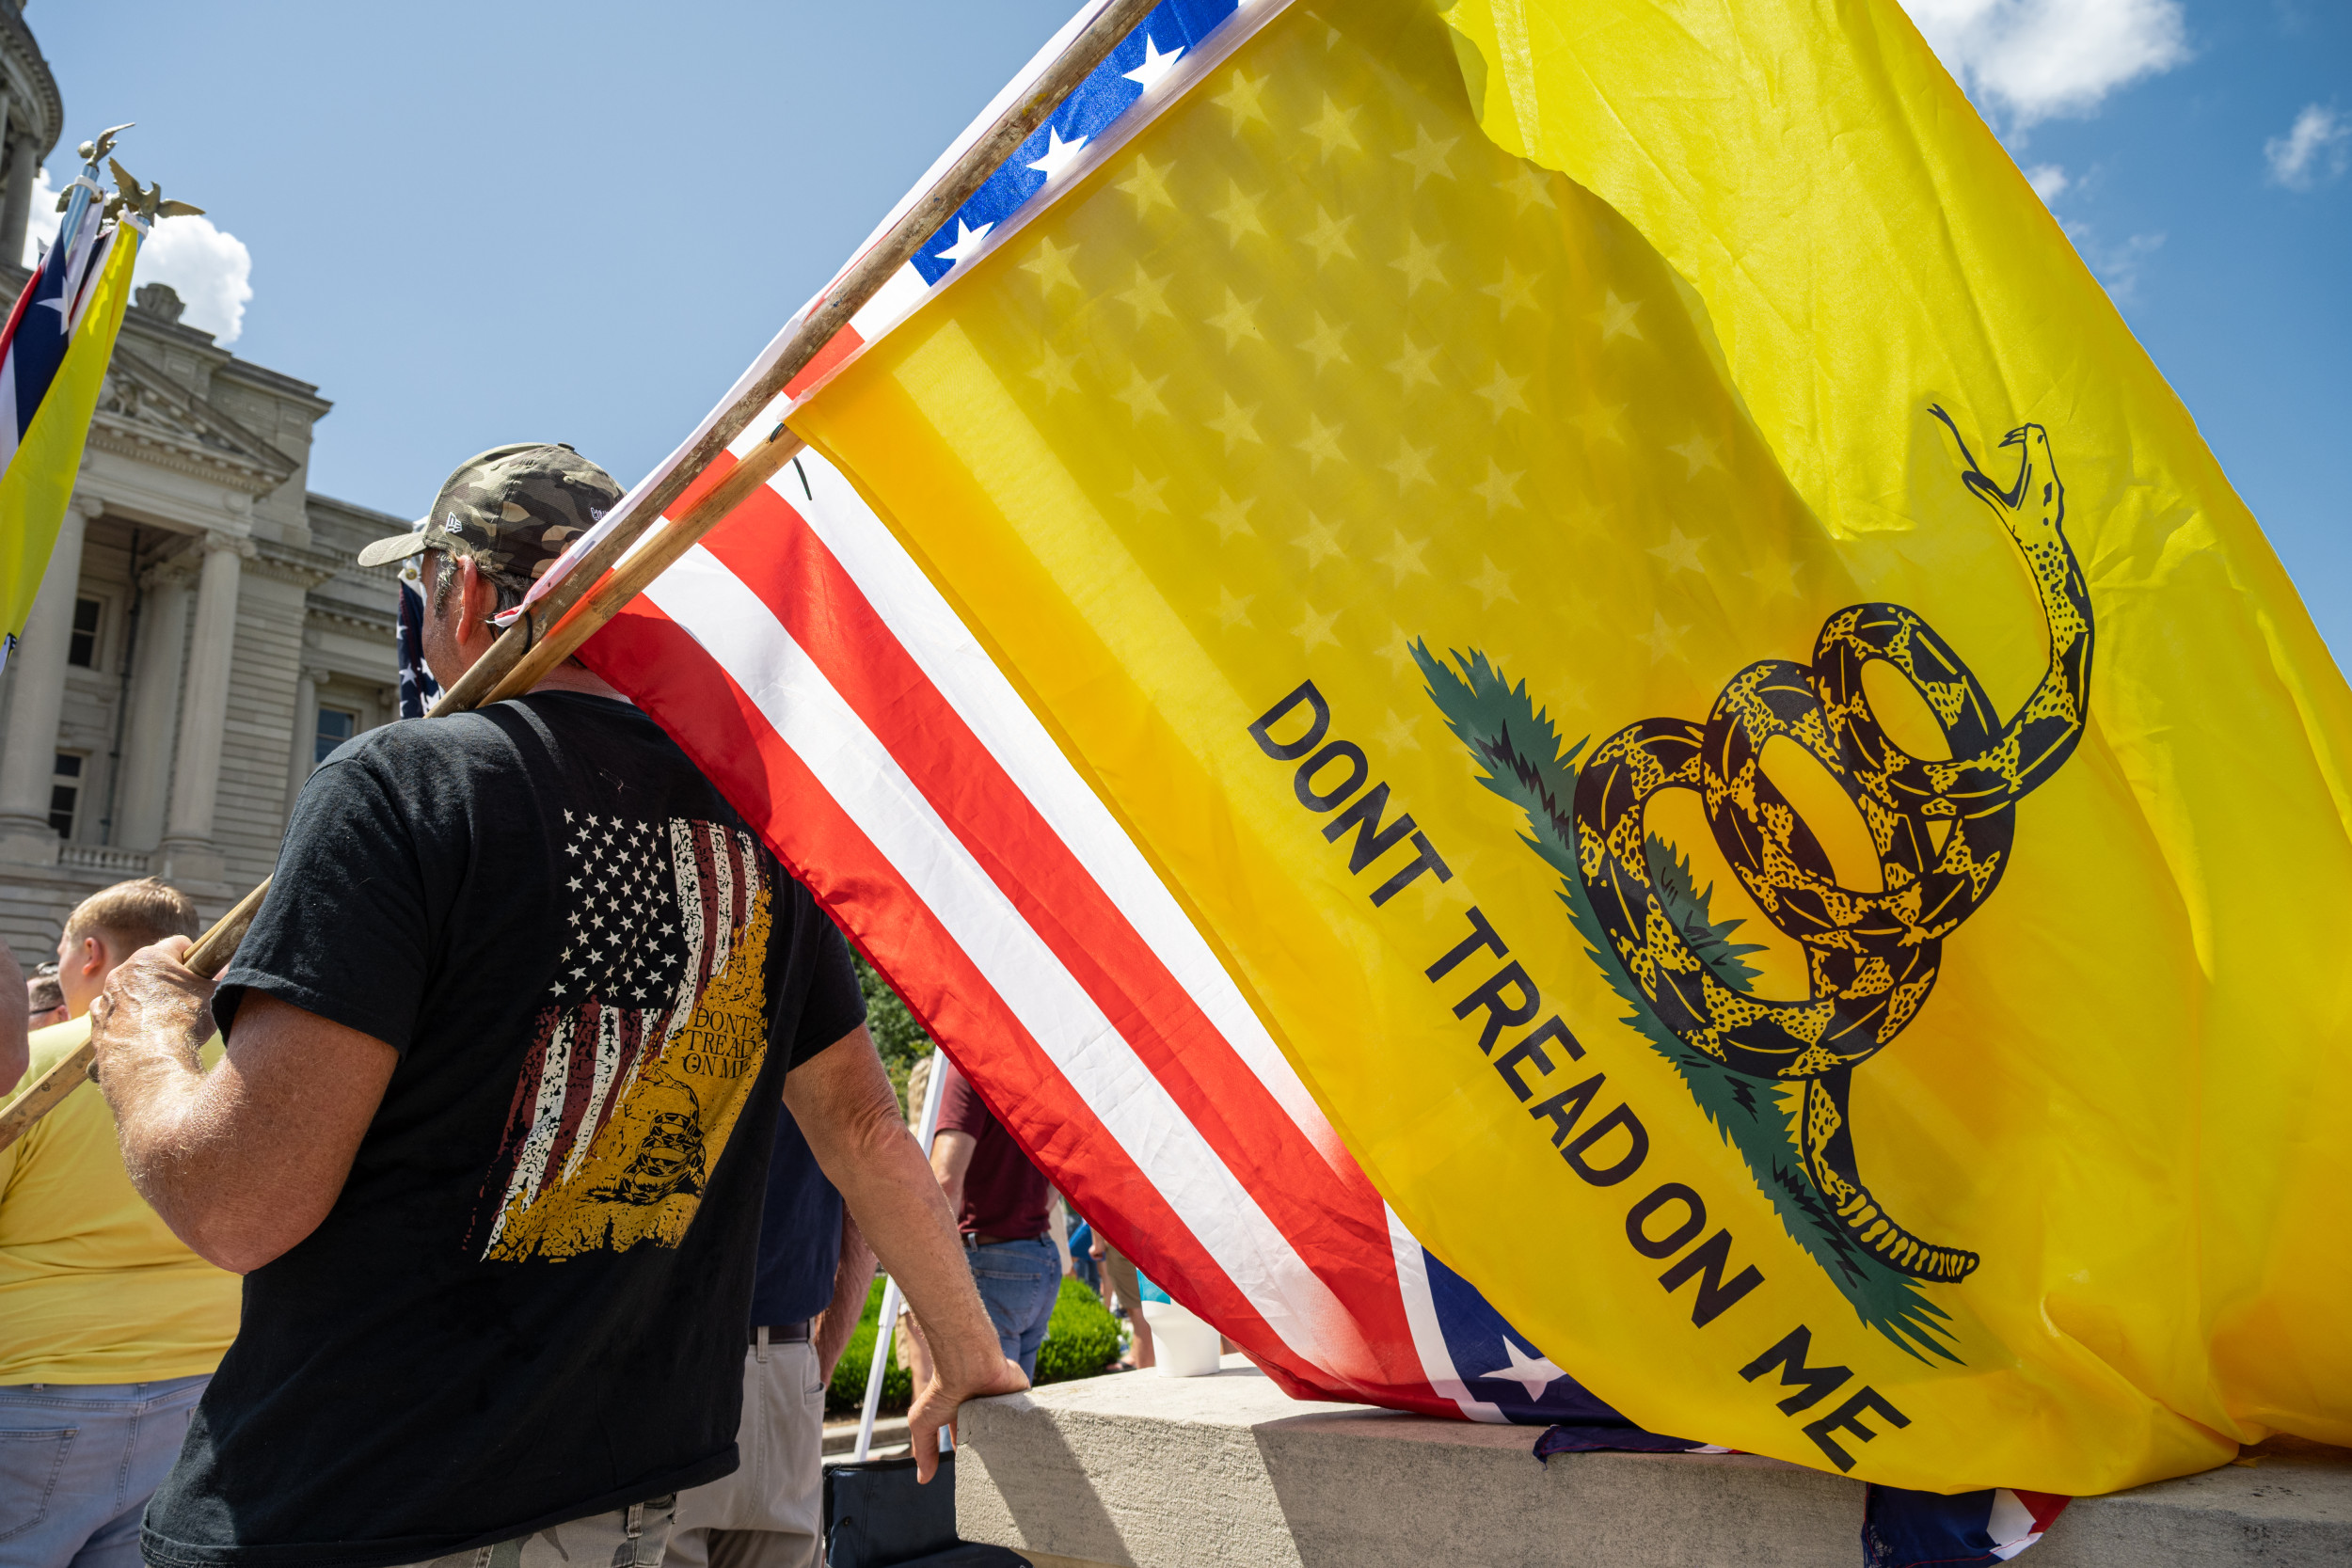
[202, 636]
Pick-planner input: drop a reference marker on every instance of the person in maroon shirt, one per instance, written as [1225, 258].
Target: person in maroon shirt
[1004, 1206]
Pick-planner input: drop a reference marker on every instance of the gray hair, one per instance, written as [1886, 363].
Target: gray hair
[445, 578]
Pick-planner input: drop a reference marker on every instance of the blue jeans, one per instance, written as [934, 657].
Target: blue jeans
[1019, 1282]
[78, 1462]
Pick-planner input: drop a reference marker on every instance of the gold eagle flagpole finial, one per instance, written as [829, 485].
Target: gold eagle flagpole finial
[145, 203]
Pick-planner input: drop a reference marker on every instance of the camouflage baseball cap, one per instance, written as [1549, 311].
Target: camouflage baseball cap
[512, 511]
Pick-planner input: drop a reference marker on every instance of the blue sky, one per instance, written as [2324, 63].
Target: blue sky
[497, 221]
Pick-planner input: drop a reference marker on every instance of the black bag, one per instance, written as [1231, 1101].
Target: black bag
[877, 1515]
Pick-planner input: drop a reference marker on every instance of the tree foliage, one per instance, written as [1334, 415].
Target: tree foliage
[896, 1036]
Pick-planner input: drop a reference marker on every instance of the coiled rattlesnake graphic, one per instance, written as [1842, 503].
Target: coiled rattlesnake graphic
[1943, 830]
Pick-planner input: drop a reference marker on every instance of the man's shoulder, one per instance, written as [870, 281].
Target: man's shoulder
[413, 754]
[410, 739]
[54, 1044]
[500, 731]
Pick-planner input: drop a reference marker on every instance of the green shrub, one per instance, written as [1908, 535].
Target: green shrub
[1081, 1339]
[845, 1394]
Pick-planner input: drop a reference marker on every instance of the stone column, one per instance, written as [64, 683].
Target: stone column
[24, 167]
[36, 675]
[306, 731]
[154, 720]
[189, 855]
[8, 123]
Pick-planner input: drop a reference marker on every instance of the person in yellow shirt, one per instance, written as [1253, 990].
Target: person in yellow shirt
[109, 1325]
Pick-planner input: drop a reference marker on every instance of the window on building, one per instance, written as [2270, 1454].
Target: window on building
[65, 793]
[80, 649]
[336, 725]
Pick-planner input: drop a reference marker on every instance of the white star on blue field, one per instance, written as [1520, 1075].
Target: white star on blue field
[454, 212]
[1532, 1373]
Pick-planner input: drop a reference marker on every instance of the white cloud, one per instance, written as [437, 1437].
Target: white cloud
[209, 268]
[2317, 147]
[2037, 59]
[41, 226]
[2117, 266]
[2049, 181]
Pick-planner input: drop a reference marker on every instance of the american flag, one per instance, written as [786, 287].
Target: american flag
[1924, 1529]
[33, 343]
[810, 668]
[418, 690]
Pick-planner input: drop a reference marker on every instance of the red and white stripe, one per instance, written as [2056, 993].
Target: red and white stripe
[809, 668]
[2018, 1519]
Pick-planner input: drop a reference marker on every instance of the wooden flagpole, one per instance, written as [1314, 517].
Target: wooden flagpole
[592, 591]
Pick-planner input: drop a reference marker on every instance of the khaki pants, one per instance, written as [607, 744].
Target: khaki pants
[770, 1513]
[1119, 1283]
[627, 1537]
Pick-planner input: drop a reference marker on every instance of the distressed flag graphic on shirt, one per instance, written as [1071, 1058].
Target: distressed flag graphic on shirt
[654, 1026]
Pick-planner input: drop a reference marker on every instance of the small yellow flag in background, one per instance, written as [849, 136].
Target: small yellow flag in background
[1861, 979]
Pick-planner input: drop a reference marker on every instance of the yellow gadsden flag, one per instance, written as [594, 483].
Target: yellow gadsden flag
[1863, 979]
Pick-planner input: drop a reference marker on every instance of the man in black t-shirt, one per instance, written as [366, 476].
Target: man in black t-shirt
[505, 1047]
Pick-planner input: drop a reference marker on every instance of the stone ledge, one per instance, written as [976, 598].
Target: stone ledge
[890, 1436]
[1140, 1471]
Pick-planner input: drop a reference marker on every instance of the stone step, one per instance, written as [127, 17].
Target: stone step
[1141, 1471]
[841, 1437]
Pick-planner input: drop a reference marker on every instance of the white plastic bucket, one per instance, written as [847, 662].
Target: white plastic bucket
[1181, 1345]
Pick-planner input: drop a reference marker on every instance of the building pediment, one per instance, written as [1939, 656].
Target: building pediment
[145, 415]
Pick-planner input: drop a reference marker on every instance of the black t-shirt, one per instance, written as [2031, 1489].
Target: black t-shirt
[528, 1303]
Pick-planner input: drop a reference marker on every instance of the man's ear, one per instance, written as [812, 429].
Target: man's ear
[96, 953]
[473, 584]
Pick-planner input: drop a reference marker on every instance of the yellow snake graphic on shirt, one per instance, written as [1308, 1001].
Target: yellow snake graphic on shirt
[655, 1029]
[1776, 1075]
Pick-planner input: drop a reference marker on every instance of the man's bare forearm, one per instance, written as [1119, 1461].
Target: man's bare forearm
[852, 1277]
[842, 1101]
[153, 1080]
[905, 1218]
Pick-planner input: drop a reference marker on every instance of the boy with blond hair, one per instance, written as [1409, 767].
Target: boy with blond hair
[111, 925]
